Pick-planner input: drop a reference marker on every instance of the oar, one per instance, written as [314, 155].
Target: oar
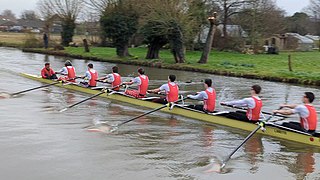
[84, 100]
[116, 126]
[66, 108]
[260, 125]
[243, 108]
[47, 85]
[31, 89]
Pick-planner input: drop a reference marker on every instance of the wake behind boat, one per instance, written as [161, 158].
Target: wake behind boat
[272, 129]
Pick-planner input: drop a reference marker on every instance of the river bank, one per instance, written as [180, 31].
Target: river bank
[266, 67]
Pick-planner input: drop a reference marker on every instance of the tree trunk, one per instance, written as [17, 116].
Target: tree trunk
[178, 54]
[153, 51]
[208, 45]
[123, 51]
[86, 46]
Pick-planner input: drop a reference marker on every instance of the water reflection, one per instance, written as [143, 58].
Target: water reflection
[254, 151]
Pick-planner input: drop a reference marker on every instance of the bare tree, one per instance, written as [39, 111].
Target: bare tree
[9, 14]
[229, 8]
[313, 11]
[260, 19]
[29, 15]
[67, 10]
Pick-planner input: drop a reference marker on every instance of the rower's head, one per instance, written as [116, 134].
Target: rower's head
[90, 65]
[172, 78]
[141, 71]
[67, 63]
[255, 89]
[47, 65]
[115, 69]
[308, 97]
[207, 83]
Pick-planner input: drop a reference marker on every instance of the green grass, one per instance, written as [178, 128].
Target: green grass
[305, 65]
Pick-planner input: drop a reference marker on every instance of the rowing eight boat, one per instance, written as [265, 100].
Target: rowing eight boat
[272, 129]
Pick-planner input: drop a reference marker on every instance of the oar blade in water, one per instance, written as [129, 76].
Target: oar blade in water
[214, 168]
[63, 110]
[102, 128]
[4, 95]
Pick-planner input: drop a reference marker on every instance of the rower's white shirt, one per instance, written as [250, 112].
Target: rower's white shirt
[110, 77]
[301, 110]
[165, 87]
[137, 80]
[202, 95]
[64, 71]
[87, 75]
[246, 102]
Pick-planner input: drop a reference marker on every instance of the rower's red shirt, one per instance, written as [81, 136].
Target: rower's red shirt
[310, 122]
[173, 93]
[116, 81]
[143, 87]
[45, 73]
[94, 77]
[71, 73]
[210, 103]
[254, 114]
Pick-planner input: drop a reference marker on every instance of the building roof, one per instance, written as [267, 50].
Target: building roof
[30, 23]
[301, 39]
[312, 37]
[234, 30]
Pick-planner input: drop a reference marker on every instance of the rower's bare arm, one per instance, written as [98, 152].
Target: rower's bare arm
[128, 83]
[154, 90]
[291, 106]
[283, 111]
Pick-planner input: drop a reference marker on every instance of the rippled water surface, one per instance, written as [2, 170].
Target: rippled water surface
[39, 142]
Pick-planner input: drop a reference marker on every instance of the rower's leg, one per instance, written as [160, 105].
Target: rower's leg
[238, 115]
[293, 125]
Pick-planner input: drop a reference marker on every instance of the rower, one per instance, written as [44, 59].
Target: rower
[91, 75]
[114, 78]
[171, 89]
[253, 103]
[68, 71]
[47, 72]
[306, 111]
[208, 96]
[142, 81]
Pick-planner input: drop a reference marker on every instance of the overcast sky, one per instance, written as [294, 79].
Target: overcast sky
[17, 6]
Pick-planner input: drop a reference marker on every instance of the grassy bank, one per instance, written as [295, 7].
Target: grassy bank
[305, 65]
[12, 39]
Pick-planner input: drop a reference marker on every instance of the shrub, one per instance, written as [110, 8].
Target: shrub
[32, 42]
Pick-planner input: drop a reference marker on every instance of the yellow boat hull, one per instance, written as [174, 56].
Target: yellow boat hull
[271, 130]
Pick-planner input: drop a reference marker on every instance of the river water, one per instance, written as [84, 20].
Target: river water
[39, 142]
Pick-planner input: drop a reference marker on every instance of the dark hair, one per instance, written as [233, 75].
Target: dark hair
[68, 63]
[256, 88]
[90, 65]
[172, 77]
[310, 96]
[141, 70]
[208, 82]
[115, 69]
[47, 64]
